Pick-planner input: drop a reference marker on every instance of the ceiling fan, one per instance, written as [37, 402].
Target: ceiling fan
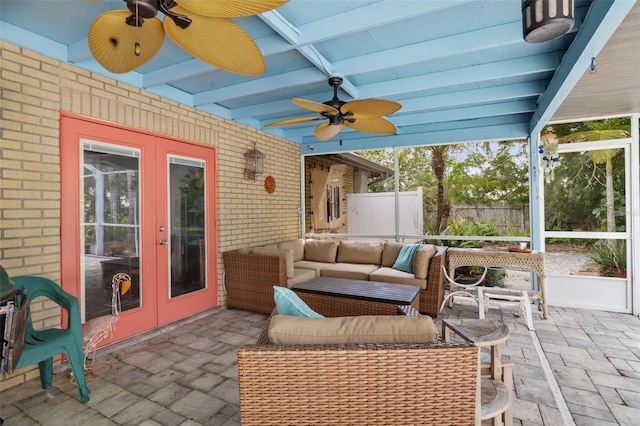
[122, 40]
[363, 115]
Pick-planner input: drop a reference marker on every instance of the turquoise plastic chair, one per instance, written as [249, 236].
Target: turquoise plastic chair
[42, 345]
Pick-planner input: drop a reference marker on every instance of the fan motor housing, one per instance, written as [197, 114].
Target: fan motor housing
[143, 8]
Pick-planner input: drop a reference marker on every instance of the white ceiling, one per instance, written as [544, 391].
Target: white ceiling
[613, 88]
[460, 68]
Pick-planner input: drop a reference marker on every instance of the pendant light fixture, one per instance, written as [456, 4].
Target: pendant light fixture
[545, 20]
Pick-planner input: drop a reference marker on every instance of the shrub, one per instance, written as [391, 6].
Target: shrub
[462, 227]
[610, 255]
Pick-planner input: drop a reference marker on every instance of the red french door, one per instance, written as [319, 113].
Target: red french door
[140, 204]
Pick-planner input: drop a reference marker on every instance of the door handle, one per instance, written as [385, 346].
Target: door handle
[163, 242]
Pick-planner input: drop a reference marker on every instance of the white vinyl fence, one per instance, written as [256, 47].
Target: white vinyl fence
[374, 214]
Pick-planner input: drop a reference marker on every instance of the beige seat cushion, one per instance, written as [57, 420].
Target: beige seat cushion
[314, 266]
[352, 271]
[301, 276]
[320, 250]
[292, 330]
[368, 252]
[393, 276]
[274, 251]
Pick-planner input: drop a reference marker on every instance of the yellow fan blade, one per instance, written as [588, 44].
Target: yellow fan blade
[230, 8]
[326, 131]
[373, 125]
[125, 286]
[370, 108]
[113, 42]
[217, 41]
[315, 106]
[293, 121]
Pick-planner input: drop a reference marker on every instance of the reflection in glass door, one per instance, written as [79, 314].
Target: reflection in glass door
[110, 225]
[187, 225]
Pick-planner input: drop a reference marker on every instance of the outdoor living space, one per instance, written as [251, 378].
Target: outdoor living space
[587, 372]
[461, 125]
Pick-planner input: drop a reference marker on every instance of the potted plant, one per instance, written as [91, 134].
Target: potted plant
[468, 274]
[611, 256]
[495, 277]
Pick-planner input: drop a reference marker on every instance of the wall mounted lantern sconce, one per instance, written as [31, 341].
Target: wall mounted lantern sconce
[544, 20]
[254, 163]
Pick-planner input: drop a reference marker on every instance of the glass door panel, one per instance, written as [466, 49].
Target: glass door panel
[110, 226]
[187, 229]
[185, 207]
[144, 205]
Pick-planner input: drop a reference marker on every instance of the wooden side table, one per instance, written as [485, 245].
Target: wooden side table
[494, 393]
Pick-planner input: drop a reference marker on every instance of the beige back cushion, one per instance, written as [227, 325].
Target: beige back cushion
[297, 246]
[292, 330]
[390, 253]
[320, 250]
[369, 252]
[274, 251]
[422, 259]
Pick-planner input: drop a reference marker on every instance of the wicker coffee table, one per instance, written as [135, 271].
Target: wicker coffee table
[338, 297]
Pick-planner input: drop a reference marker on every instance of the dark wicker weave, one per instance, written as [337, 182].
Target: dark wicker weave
[358, 384]
[249, 281]
[332, 306]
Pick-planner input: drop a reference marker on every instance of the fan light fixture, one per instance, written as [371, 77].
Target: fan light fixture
[254, 163]
[123, 40]
[545, 20]
[363, 115]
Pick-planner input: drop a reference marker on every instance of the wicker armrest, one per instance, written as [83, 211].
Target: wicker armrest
[431, 298]
[249, 279]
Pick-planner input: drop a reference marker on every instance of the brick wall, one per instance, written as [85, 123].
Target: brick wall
[34, 89]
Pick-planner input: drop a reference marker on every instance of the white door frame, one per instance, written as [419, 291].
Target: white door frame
[587, 292]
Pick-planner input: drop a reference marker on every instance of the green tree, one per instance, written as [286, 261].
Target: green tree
[438, 166]
[615, 128]
[491, 171]
[483, 172]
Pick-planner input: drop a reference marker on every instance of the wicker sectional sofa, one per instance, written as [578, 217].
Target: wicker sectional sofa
[251, 273]
[358, 384]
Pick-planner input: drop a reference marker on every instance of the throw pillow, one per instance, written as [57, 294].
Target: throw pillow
[422, 259]
[390, 253]
[274, 251]
[321, 250]
[363, 252]
[288, 303]
[404, 262]
[296, 246]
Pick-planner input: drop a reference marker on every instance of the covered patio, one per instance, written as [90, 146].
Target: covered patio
[578, 367]
[483, 83]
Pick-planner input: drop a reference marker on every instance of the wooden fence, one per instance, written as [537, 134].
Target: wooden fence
[502, 213]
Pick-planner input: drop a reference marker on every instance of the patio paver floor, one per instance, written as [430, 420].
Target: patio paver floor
[186, 373]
